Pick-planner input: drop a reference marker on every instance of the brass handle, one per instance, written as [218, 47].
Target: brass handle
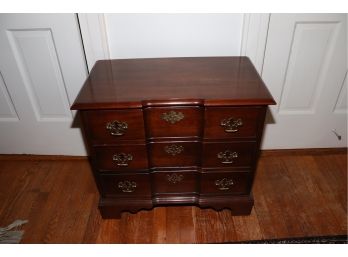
[174, 178]
[127, 186]
[173, 149]
[223, 184]
[122, 159]
[117, 128]
[227, 156]
[231, 124]
[172, 117]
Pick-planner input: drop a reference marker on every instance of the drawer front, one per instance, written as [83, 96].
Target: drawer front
[233, 122]
[174, 121]
[122, 157]
[112, 126]
[225, 183]
[174, 154]
[126, 185]
[231, 154]
[174, 182]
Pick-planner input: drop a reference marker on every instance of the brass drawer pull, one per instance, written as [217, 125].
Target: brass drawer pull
[227, 156]
[231, 124]
[117, 128]
[174, 178]
[173, 149]
[122, 159]
[172, 117]
[223, 184]
[127, 186]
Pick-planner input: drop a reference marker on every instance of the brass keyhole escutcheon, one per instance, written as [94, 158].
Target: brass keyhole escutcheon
[231, 124]
[117, 128]
[127, 186]
[173, 149]
[172, 117]
[122, 159]
[227, 157]
[223, 184]
[175, 178]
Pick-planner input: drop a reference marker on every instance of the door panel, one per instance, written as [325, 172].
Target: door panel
[309, 55]
[305, 67]
[43, 67]
[37, 60]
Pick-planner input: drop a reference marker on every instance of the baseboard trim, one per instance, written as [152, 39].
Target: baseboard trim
[33, 157]
[306, 151]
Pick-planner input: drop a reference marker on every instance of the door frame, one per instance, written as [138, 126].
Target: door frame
[95, 37]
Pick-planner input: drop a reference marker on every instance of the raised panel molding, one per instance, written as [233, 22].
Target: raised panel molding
[7, 109]
[37, 60]
[255, 28]
[309, 57]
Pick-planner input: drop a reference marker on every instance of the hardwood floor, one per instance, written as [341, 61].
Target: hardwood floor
[296, 194]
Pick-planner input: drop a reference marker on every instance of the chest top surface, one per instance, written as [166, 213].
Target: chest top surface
[208, 81]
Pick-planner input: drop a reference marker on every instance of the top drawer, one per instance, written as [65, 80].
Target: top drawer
[233, 122]
[112, 126]
[174, 121]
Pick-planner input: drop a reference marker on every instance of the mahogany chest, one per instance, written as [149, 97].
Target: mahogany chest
[174, 131]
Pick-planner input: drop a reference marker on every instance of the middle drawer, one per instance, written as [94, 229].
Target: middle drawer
[175, 182]
[175, 154]
[172, 122]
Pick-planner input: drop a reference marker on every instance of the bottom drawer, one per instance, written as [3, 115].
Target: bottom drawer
[225, 183]
[126, 185]
[178, 182]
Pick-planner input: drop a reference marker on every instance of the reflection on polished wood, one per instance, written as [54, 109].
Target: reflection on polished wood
[297, 193]
[135, 83]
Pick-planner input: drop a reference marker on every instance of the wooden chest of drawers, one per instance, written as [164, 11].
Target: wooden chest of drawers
[174, 131]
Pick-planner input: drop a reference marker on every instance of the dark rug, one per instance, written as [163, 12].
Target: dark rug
[340, 239]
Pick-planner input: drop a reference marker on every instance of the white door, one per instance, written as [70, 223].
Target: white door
[305, 68]
[42, 69]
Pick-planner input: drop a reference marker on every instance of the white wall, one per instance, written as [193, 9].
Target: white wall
[173, 35]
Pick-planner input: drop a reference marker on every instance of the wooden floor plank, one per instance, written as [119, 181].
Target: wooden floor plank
[247, 227]
[268, 193]
[94, 223]
[159, 234]
[209, 228]
[110, 232]
[321, 207]
[179, 225]
[296, 194]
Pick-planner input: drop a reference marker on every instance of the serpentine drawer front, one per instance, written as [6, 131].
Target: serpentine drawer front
[173, 131]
